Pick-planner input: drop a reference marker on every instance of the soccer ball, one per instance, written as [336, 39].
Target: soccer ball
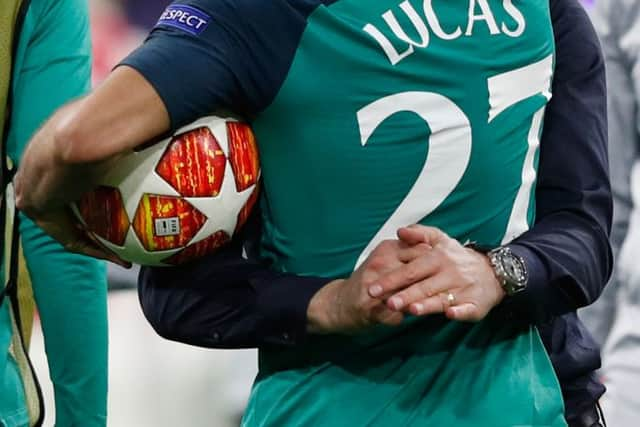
[178, 199]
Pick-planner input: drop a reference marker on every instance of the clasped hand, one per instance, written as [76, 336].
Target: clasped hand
[421, 273]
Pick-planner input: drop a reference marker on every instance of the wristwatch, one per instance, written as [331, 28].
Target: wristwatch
[510, 270]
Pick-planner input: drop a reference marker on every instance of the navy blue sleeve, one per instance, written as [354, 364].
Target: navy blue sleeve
[567, 251]
[210, 55]
[227, 300]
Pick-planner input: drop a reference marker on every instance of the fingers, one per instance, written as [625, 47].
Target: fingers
[463, 309]
[467, 312]
[423, 290]
[91, 246]
[85, 244]
[88, 249]
[97, 250]
[432, 305]
[61, 225]
[408, 253]
[390, 254]
[407, 274]
[417, 233]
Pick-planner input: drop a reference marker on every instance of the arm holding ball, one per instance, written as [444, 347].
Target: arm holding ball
[64, 157]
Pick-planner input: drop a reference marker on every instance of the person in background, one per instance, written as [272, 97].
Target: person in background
[614, 319]
[44, 63]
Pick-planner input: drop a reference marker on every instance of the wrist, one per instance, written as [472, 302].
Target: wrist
[496, 282]
[319, 317]
[493, 280]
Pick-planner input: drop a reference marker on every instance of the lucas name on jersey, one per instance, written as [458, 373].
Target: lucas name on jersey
[428, 22]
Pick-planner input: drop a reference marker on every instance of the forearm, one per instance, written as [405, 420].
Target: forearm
[228, 301]
[239, 305]
[83, 138]
[45, 179]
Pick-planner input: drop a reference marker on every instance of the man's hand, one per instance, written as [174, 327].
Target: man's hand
[61, 225]
[67, 155]
[345, 306]
[449, 278]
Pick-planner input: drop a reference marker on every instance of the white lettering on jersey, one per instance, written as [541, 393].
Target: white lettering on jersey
[434, 23]
[389, 50]
[508, 89]
[418, 24]
[517, 16]
[450, 145]
[430, 21]
[485, 16]
[393, 23]
[449, 153]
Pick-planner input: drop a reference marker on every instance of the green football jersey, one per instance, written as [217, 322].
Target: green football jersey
[395, 113]
[369, 116]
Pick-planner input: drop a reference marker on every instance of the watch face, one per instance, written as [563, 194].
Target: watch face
[514, 268]
[510, 269]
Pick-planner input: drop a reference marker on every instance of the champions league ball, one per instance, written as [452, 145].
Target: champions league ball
[178, 199]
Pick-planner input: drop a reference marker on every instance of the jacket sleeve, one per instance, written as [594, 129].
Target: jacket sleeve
[70, 290]
[567, 251]
[228, 301]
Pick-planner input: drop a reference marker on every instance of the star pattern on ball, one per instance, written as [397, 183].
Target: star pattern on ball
[133, 249]
[221, 211]
[181, 195]
[136, 176]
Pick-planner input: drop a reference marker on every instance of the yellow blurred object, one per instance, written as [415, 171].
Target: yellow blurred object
[8, 13]
[18, 348]
[25, 301]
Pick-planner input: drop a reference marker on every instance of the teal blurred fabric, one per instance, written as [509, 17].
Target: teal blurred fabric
[52, 67]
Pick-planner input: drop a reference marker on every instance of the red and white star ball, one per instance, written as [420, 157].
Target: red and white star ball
[178, 199]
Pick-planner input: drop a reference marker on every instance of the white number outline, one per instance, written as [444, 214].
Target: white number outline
[450, 144]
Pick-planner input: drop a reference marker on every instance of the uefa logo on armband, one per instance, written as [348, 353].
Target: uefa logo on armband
[186, 18]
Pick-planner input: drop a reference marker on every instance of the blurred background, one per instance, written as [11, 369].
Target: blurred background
[152, 382]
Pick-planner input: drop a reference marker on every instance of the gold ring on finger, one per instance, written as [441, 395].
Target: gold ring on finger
[451, 299]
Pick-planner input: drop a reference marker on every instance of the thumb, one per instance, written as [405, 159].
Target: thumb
[417, 233]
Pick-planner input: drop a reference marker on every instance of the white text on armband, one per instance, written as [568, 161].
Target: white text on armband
[186, 18]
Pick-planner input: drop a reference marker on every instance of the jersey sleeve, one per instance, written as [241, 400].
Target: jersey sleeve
[207, 55]
[52, 67]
